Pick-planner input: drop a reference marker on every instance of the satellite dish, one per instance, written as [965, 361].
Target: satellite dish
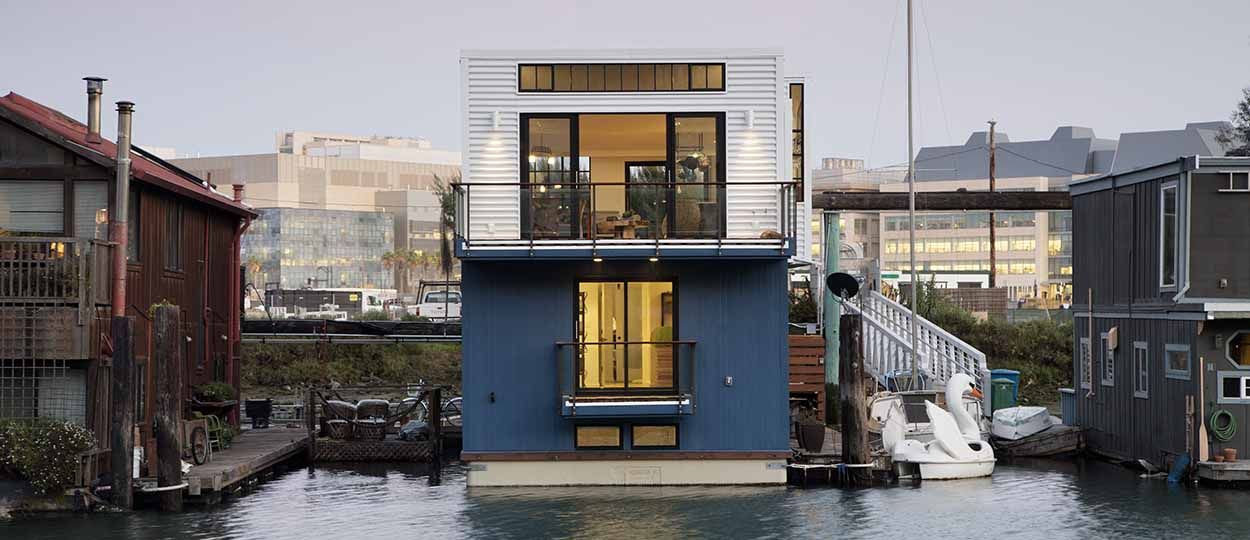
[842, 285]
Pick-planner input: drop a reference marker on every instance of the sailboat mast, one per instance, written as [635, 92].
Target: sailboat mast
[911, 203]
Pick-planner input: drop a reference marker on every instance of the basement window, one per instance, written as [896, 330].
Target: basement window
[597, 437]
[654, 436]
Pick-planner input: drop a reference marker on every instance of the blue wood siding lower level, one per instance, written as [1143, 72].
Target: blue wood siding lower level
[515, 312]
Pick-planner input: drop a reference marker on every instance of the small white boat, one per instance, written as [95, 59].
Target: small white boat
[910, 405]
[957, 450]
[1015, 423]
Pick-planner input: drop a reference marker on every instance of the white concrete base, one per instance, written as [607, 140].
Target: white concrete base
[627, 472]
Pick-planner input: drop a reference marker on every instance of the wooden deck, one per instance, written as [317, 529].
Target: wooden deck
[1235, 473]
[253, 453]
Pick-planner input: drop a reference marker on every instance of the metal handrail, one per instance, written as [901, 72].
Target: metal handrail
[682, 386]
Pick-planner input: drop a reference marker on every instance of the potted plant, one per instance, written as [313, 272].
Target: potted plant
[811, 431]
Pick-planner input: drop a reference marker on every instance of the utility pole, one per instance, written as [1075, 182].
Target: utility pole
[993, 246]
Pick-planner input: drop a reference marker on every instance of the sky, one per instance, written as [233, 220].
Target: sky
[223, 77]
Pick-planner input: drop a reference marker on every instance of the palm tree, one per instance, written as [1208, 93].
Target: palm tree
[392, 260]
[446, 223]
[411, 260]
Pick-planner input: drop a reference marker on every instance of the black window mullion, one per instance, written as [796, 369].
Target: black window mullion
[578, 77]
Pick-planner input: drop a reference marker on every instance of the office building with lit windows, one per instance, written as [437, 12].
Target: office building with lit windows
[306, 247]
[1033, 250]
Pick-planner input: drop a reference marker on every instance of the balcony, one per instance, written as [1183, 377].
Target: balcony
[624, 379]
[627, 220]
[49, 289]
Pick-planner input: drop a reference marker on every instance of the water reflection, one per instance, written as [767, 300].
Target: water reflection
[1042, 499]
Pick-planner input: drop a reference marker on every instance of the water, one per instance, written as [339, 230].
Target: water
[1042, 499]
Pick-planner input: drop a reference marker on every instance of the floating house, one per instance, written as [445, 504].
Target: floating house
[56, 193]
[624, 225]
[1162, 304]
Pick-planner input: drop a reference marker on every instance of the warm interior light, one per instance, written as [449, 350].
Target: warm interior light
[533, 158]
[551, 160]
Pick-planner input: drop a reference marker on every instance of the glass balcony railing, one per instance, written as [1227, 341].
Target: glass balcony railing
[623, 211]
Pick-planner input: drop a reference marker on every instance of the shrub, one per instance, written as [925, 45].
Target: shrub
[373, 315]
[268, 367]
[44, 452]
[1040, 350]
[802, 307]
[214, 391]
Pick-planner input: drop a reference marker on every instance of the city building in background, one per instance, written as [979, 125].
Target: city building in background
[1033, 249]
[362, 176]
[860, 232]
[289, 248]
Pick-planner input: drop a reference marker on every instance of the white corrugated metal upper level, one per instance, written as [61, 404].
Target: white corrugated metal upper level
[754, 102]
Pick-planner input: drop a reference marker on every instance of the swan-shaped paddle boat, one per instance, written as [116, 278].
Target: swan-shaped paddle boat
[956, 450]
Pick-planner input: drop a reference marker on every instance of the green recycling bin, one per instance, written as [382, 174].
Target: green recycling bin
[1002, 394]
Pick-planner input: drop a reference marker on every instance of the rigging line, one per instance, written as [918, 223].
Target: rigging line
[1039, 162]
[924, 19]
[885, 74]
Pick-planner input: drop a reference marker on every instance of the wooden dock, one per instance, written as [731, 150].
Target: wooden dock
[253, 453]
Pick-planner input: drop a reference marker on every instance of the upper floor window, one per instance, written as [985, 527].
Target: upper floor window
[32, 208]
[173, 237]
[1168, 250]
[1237, 181]
[680, 77]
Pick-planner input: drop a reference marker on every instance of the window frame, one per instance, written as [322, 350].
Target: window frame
[1244, 396]
[620, 437]
[604, 67]
[1174, 186]
[625, 281]
[173, 254]
[1227, 356]
[1086, 367]
[1231, 188]
[1167, 361]
[1106, 377]
[1141, 370]
[633, 441]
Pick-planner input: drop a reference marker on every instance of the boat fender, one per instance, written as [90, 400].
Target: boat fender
[1178, 469]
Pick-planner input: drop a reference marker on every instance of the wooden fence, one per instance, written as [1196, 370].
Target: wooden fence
[807, 370]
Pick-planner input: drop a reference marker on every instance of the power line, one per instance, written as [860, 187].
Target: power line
[924, 18]
[885, 73]
[1039, 162]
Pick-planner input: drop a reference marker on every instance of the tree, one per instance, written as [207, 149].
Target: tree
[446, 223]
[1236, 139]
[394, 260]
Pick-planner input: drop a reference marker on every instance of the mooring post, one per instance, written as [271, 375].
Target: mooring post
[310, 421]
[121, 440]
[168, 364]
[854, 399]
[436, 435]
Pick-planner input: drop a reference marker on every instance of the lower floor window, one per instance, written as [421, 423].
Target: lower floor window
[1234, 387]
[1141, 369]
[597, 437]
[654, 436]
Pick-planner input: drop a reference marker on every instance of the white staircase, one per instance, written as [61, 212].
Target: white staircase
[887, 343]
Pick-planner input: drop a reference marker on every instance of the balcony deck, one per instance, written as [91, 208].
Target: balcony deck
[571, 222]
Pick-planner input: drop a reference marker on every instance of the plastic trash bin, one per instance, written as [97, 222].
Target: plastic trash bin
[1002, 394]
[1008, 374]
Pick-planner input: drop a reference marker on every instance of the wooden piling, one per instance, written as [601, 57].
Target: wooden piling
[436, 435]
[168, 363]
[310, 421]
[122, 437]
[854, 398]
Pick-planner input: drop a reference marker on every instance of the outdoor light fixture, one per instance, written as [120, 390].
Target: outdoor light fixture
[750, 118]
[654, 259]
[495, 120]
[597, 259]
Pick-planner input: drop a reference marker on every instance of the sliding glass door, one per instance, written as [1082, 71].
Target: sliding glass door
[658, 176]
[625, 334]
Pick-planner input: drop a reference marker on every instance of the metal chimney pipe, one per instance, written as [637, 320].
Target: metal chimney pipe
[95, 91]
[118, 229]
[238, 192]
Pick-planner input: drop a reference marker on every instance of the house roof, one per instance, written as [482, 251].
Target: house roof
[72, 135]
[1147, 148]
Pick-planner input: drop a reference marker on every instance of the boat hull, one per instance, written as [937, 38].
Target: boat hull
[956, 471]
[1015, 423]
